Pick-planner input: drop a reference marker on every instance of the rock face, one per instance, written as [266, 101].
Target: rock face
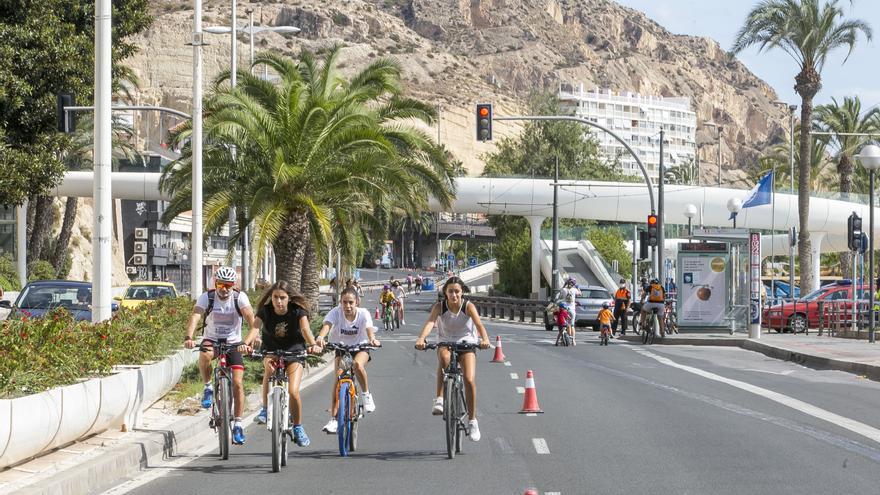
[456, 53]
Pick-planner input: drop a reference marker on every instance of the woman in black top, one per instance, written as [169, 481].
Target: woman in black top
[285, 327]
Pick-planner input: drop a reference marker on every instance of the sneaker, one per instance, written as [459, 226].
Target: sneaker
[474, 430]
[403, 322]
[331, 426]
[438, 407]
[261, 416]
[369, 405]
[207, 398]
[237, 435]
[299, 436]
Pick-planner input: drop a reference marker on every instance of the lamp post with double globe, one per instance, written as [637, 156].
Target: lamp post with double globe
[869, 156]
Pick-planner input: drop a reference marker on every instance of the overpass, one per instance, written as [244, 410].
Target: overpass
[595, 200]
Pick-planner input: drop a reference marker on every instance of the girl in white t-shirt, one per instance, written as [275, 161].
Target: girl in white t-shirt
[348, 324]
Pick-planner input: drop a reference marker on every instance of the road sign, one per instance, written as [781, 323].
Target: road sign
[473, 261]
[450, 257]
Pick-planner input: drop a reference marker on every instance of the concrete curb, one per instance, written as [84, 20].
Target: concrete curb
[732, 342]
[127, 460]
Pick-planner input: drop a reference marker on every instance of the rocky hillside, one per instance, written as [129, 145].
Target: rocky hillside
[456, 53]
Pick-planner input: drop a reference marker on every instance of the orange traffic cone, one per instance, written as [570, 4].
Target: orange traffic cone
[377, 313]
[499, 354]
[530, 400]
[531, 492]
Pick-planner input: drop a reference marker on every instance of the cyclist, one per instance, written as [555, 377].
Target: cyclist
[569, 294]
[562, 318]
[621, 303]
[656, 299]
[348, 324]
[223, 309]
[605, 318]
[457, 321]
[418, 283]
[386, 299]
[282, 314]
[409, 281]
[400, 294]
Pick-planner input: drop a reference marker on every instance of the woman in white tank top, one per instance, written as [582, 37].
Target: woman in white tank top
[457, 321]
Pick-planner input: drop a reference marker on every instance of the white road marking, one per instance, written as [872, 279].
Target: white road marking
[520, 390]
[552, 493]
[783, 373]
[798, 405]
[514, 376]
[532, 414]
[540, 446]
[506, 363]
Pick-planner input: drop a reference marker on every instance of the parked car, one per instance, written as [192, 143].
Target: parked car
[41, 296]
[588, 305]
[795, 316]
[141, 292]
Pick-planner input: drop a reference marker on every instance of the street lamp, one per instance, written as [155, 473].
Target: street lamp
[720, 130]
[690, 211]
[869, 156]
[734, 205]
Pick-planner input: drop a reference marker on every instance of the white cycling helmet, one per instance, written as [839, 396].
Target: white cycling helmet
[225, 274]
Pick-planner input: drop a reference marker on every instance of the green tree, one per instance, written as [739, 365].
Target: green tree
[808, 33]
[685, 174]
[610, 244]
[321, 157]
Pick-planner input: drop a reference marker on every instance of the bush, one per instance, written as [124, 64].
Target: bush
[609, 243]
[8, 273]
[41, 270]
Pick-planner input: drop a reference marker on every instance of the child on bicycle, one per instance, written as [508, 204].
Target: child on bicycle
[282, 314]
[457, 321]
[348, 324]
[562, 317]
[605, 319]
[400, 294]
[386, 299]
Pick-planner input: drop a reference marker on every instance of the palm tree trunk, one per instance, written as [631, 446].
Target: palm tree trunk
[310, 283]
[845, 172]
[290, 250]
[64, 236]
[43, 216]
[805, 259]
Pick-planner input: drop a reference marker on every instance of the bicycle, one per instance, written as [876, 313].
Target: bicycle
[221, 406]
[636, 317]
[349, 408]
[455, 413]
[277, 416]
[670, 320]
[651, 325]
[604, 333]
[388, 317]
[563, 337]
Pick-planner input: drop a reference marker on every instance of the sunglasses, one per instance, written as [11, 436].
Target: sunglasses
[224, 285]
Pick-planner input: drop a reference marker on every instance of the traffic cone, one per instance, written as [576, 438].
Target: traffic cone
[531, 492]
[530, 399]
[377, 313]
[499, 354]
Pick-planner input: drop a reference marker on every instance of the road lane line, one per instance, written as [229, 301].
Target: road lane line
[504, 446]
[798, 405]
[514, 376]
[552, 493]
[532, 414]
[506, 363]
[541, 446]
[520, 390]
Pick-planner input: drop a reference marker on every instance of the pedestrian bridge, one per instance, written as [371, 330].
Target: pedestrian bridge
[596, 200]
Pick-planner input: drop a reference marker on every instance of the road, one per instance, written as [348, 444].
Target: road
[622, 419]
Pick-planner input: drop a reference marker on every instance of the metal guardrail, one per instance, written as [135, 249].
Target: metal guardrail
[829, 318]
[511, 308]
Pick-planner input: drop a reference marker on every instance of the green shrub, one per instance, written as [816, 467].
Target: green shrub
[41, 270]
[8, 273]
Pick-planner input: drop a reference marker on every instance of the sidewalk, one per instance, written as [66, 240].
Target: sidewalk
[853, 356]
[102, 461]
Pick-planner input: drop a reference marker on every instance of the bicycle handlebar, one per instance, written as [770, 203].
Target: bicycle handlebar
[350, 348]
[458, 346]
[286, 354]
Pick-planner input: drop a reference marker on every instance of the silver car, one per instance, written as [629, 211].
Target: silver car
[588, 305]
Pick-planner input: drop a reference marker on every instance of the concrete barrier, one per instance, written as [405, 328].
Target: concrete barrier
[41, 422]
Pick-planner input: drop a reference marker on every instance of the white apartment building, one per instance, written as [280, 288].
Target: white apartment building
[637, 119]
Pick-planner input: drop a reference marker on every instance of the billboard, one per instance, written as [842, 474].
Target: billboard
[702, 293]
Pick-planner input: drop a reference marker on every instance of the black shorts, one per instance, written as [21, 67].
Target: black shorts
[354, 354]
[233, 357]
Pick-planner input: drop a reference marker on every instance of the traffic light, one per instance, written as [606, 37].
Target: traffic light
[854, 229]
[484, 122]
[66, 120]
[643, 245]
[653, 234]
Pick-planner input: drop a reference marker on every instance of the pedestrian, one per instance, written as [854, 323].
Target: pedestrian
[622, 298]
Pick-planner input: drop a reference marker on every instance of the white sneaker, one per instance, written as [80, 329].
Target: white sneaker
[474, 430]
[331, 426]
[369, 405]
[438, 406]
[403, 322]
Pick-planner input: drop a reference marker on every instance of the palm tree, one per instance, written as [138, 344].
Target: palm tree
[844, 122]
[808, 33]
[777, 158]
[686, 174]
[320, 159]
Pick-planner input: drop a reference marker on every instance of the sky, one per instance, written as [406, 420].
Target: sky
[721, 19]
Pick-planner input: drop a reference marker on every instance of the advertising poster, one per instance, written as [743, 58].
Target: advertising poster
[703, 289]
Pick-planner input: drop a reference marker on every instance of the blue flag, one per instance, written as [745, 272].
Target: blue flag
[761, 194]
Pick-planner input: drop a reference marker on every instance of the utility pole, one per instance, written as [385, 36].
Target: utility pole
[661, 237]
[554, 270]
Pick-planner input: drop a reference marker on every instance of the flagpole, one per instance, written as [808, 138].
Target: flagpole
[772, 232]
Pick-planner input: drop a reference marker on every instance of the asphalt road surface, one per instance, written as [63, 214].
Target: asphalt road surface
[625, 419]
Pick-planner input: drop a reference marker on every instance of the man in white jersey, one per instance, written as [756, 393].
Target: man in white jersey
[225, 308]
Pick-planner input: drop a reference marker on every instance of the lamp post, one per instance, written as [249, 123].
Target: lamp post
[720, 130]
[869, 156]
[734, 206]
[690, 211]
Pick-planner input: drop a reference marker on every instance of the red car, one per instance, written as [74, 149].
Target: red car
[796, 316]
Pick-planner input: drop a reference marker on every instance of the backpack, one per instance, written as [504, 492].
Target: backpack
[656, 293]
[235, 294]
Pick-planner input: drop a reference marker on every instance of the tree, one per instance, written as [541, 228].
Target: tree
[808, 33]
[685, 174]
[320, 159]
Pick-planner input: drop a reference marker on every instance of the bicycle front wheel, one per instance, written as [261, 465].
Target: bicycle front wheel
[343, 419]
[355, 414]
[277, 429]
[223, 389]
[450, 401]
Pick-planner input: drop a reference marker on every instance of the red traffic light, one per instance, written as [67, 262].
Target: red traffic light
[484, 111]
[652, 219]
